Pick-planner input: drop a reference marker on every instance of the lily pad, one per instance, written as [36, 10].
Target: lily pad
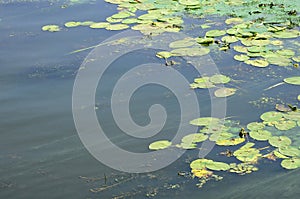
[260, 135]
[240, 49]
[72, 24]
[229, 39]
[117, 27]
[220, 136]
[161, 144]
[194, 51]
[51, 28]
[280, 141]
[286, 53]
[247, 154]
[230, 142]
[286, 34]
[291, 163]
[215, 33]
[290, 151]
[234, 21]
[164, 54]
[271, 116]
[182, 43]
[194, 138]
[241, 57]
[254, 126]
[224, 92]
[201, 173]
[200, 163]
[185, 145]
[296, 59]
[205, 121]
[292, 80]
[219, 79]
[99, 25]
[217, 166]
[204, 40]
[189, 2]
[279, 155]
[258, 63]
[285, 125]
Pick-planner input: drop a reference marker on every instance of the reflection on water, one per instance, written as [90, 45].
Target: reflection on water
[40, 152]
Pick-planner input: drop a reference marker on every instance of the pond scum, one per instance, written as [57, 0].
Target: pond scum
[257, 30]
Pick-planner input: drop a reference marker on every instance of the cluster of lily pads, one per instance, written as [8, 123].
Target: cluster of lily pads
[214, 81]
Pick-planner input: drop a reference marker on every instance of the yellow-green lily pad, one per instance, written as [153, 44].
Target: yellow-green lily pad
[230, 142]
[99, 25]
[51, 28]
[229, 39]
[200, 163]
[164, 54]
[219, 79]
[185, 145]
[287, 34]
[240, 49]
[204, 40]
[292, 80]
[291, 163]
[217, 166]
[260, 135]
[241, 57]
[258, 63]
[186, 42]
[161, 144]
[296, 59]
[117, 27]
[279, 155]
[193, 51]
[220, 136]
[271, 116]
[205, 121]
[285, 125]
[72, 24]
[194, 138]
[280, 141]
[290, 151]
[215, 33]
[224, 92]
[254, 126]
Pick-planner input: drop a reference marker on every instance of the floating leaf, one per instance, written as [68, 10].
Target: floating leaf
[241, 57]
[200, 163]
[117, 27]
[271, 116]
[240, 49]
[217, 166]
[99, 25]
[189, 2]
[234, 21]
[185, 145]
[260, 135]
[220, 136]
[296, 59]
[278, 60]
[279, 155]
[229, 39]
[294, 115]
[190, 51]
[286, 53]
[205, 121]
[219, 79]
[51, 28]
[242, 168]
[247, 154]
[290, 151]
[204, 40]
[285, 125]
[254, 126]
[161, 144]
[287, 34]
[280, 141]
[225, 92]
[292, 80]
[186, 42]
[230, 142]
[257, 62]
[201, 173]
[215, 33]
[194, 138]
[291, 163]
[71, 24]
[164, 54]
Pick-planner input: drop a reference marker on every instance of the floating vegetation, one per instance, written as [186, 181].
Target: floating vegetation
[292, 80]
[225, 92]
[51, 28]
[161, 144]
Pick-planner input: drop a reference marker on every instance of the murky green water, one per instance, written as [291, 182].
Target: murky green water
[41, 155]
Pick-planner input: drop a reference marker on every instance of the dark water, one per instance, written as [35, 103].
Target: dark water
[41, 155]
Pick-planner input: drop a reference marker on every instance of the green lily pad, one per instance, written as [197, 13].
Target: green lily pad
[220, 136]
[200, 163]
[117, 27]
[278, 60]
[254, 126]
[260, 135]
[182, 43]
[296, 59]
[229, 39]
[260, 42]
[130, 21]
[185, 145]
[215, 33]
[72, 24]
[194, 138]
[241, 57]
[219, 79]
[202, 79]
[277, 42]
[217, 166]
[224, 92]
[189, 2]
[292, 80]
[291, 163]
[298, 98]
[204, 40]
[230, 142]
[256, 49]
[286, 53]
[51, 28]
[285, 125]
[164, 54]
[205, 121]
[257, 62]
[280, 141]
[194, 51]
[235, 20]
[240, 49]
[286, 34]
[202, 85]
[121, 15]
[279, 155]
[99, 25]
[247, 154]
[290, 151]
[161, 144]
[271, 116]
[294, 115]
